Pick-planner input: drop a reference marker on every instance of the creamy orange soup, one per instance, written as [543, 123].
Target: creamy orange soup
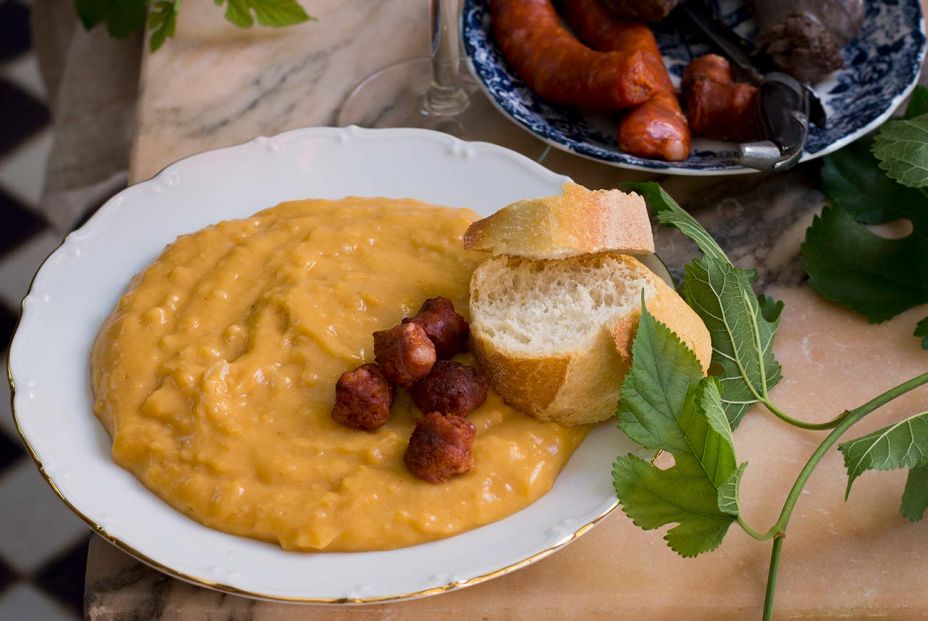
[215, 376]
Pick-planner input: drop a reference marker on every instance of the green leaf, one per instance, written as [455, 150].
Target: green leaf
[852, 180]
[742, 330]
[656, 385]
[122, 17]
[274, 13]
[921, 331]
[852, 266]
[902, 148]
[918, 103]
[729, 496]
[901, 445]
[666, 404]
[915, 496]
[741, 325]
[162, 19]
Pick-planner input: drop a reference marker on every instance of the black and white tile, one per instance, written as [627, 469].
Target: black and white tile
[43, 547]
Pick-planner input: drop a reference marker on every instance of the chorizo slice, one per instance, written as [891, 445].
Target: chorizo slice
[440, 447]
[363, 398]
[560, 68]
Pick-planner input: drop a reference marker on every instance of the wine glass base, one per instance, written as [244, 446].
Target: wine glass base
[395, 96]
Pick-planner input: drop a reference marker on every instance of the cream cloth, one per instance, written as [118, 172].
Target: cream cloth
[92, 84]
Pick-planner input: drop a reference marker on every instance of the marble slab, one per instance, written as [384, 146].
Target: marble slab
[216, 86]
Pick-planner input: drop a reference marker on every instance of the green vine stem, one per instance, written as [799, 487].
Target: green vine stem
[795, 422]
[846, 421]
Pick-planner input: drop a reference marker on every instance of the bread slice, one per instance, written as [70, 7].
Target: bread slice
[555, 335]
[579, 221]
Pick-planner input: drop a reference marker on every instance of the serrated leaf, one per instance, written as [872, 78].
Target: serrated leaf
[274, 13]
[852, 180]
[852, 266]
[921, 331]
[915, 496]
[742, 331]
[162, 19]
[900, 146]
[656, 385]
[741, 325]
[729, 497]
[900, 445]
[666, 404]
[918, 103]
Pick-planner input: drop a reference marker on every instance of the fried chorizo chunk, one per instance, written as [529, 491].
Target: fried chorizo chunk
[404, 352]
[440, 447]
[363, 398]
[448, 330]
[452, 388]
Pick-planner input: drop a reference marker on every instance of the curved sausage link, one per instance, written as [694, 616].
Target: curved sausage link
[363, 398]
[448, 330]
[562, 70]
[717, 106]
[657, 128]
[440, 447]
[452, 388]
[404, 352]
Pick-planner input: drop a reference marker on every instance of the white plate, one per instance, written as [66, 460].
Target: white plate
[79, 285]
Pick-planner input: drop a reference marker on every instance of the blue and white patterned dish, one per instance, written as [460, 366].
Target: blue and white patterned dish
[883, 65]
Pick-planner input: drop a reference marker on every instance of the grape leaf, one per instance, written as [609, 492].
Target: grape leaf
[275, 13]
[729, 496]
[666, 404]
[741, 325]
[902, 148]
[852, 266]
[915, 496]
[853, 181]
[162, 19]
[900, 445]
[742, 332]
[122, 17]
[849, 264]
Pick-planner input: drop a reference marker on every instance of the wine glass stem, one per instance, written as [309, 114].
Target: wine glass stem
[444, 97]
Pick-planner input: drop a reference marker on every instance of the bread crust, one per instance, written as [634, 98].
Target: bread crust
[580, 221]
[583, 386]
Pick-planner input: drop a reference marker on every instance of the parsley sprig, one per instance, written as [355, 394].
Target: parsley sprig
[123, 17]
[666, 404]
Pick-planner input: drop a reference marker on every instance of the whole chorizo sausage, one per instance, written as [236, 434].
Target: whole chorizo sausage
[657, 127]
[560, 68]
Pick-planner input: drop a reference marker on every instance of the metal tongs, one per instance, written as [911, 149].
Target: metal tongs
[784, 106]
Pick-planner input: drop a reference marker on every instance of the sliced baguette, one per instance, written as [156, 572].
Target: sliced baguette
[580, 221]
[555, 335]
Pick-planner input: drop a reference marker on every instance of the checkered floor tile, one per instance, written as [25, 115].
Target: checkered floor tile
[43, 547]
